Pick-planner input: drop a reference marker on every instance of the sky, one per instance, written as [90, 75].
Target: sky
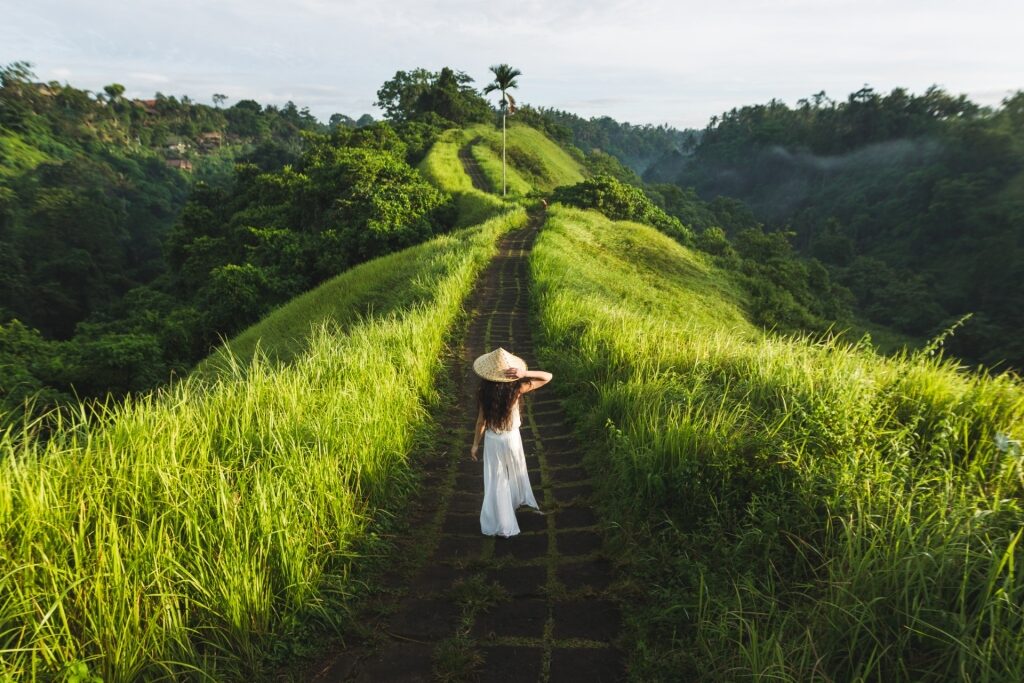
[644, 62]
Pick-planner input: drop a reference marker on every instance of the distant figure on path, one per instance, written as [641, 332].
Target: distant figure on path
[503, 380]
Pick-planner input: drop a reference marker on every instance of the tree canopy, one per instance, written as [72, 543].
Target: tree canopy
[420, 95]
[118, 268]
[913, 201]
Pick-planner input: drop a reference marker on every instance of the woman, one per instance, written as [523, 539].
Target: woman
[503, 380]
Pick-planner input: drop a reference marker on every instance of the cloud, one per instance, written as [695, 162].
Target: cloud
[654, 61]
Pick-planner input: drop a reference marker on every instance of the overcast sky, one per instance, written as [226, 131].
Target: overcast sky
[643, 62]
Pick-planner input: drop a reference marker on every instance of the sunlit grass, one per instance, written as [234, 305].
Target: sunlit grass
[535, 160]
[535, 163]
[443, 168]
[393, 283]
[199, 532]
[795, 509]
[490, 164]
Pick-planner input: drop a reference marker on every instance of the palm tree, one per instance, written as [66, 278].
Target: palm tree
[504, 80]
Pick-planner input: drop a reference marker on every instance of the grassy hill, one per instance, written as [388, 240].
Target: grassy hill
[214, 524]
[391, 285]
[210, 525]
[442, 167]
[797, 508]
[534, 163]
[790, 508]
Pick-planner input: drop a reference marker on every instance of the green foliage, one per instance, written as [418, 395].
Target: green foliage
[793, 508]
[600, 163]
[621, 202]
[893, 297]
[86, 203]
[684, 204]
[637, 146]
[399, 96]
[101, 248]
[788, 293]
[452, 98]
[30, 366]
[233, 295]
[420, 95]
[40, 374]
[419, 136]
[82, 235]
[714, 241]
[198, 530]
[919, 194]
[351, 197]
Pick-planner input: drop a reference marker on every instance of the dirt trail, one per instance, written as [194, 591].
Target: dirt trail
[555, 622]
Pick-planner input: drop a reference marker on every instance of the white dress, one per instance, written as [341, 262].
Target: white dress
[506, 482]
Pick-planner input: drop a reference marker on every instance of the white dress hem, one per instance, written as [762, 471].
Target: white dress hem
[506, 481]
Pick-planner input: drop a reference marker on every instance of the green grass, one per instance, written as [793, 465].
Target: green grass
[442, 168]
[516, 185]
[391, 284]
[791, 509]
[201, 532]
[534, 160]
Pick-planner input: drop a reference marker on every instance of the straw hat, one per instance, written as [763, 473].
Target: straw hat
[493, 365]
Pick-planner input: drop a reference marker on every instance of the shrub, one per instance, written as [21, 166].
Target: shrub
[619, 201]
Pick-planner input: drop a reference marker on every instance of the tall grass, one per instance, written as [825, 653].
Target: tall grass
[490, 164]
[199, 532]
[535, 162]
[391, 284]
[533, 159]
[443, 168]
[795, 509]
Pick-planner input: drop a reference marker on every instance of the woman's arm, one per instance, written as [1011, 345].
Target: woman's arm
[478, 432]
[538, 378]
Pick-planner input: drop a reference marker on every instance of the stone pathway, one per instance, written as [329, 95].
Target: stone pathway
[530, 608]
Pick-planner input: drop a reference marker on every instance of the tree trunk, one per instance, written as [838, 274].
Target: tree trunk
[503, 152]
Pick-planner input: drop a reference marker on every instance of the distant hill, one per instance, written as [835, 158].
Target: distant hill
[915, 202]
[637, 146]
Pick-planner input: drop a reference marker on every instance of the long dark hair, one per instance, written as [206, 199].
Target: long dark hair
[496, 399]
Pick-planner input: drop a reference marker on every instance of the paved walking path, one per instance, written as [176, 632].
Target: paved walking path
[530, 608]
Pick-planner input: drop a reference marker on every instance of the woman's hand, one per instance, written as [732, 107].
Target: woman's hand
[472, 452]
[514, 373]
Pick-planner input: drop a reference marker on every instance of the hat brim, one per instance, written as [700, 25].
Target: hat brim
[486, 367]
